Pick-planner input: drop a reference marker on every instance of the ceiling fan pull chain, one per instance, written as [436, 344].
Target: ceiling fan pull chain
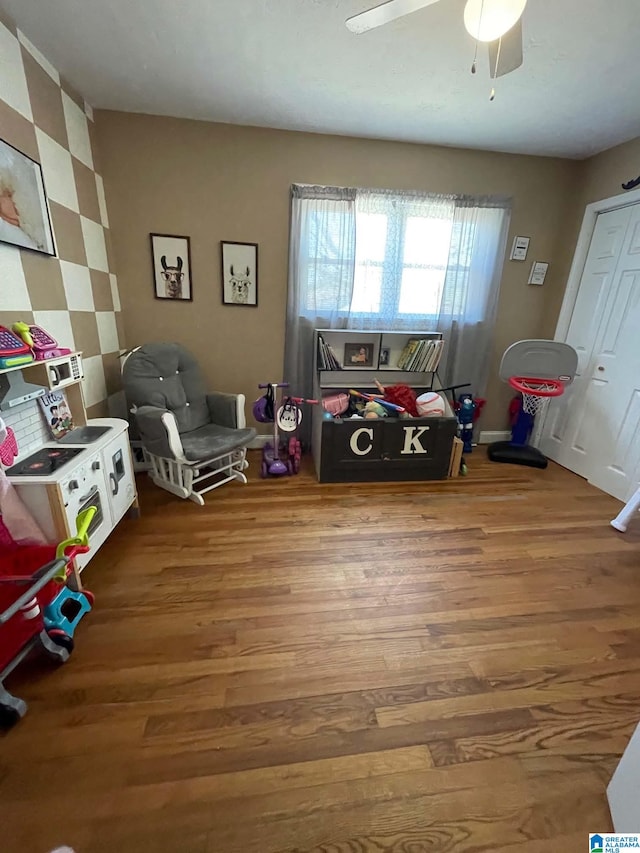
[492, 96]
[474, 66]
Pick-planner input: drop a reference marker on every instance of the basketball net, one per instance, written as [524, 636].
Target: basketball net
[536, 395]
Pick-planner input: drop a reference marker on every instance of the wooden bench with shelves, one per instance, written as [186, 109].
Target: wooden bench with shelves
[358, 450]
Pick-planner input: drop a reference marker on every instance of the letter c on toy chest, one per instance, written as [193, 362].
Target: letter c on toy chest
[412, 441]
[353, 442]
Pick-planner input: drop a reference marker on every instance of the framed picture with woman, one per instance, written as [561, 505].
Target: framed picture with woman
[24, 215]
[358, 355]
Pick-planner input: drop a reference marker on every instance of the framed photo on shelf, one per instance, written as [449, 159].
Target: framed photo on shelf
[358, 355]
[239, 273]
[24, 215]
[383, 361]
[171, 260]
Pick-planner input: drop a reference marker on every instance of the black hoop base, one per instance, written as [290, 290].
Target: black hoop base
[516, 454]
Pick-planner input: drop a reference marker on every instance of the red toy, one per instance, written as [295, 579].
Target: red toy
[31, 579]
[401, 395]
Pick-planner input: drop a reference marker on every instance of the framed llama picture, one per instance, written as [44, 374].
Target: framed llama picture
[171, 259]
[24, 215]
[239, 273]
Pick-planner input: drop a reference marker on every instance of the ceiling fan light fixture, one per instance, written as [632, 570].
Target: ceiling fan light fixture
[488, 20]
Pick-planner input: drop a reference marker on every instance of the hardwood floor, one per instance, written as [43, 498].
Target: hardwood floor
[294, 667]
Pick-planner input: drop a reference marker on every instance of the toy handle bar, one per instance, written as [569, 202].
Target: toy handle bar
[453, 389]
[387, 405]
[44, 575]
[81, 539]
[302, 400]
[70, 554]
[273, 385]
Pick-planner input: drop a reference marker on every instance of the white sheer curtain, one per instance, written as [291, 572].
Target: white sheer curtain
[433, 263]
[467, 310]
[321, 273]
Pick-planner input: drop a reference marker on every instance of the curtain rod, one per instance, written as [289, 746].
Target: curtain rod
[301, 190]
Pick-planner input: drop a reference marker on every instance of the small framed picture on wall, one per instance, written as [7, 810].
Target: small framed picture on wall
[171, 259]
[239, 273]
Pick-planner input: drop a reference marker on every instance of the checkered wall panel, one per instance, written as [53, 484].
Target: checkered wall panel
[74, 295]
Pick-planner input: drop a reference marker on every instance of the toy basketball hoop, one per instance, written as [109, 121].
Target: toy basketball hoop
[536, 393]
[539, 370]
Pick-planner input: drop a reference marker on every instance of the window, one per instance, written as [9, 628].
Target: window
[397, 261]
[401, 261]
[381, 259]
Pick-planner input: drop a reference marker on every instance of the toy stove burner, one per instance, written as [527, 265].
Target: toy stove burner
[44, 462]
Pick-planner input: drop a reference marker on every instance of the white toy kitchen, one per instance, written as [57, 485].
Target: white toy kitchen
[89, 466]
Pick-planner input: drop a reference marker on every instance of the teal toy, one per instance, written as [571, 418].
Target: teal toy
[66, 610]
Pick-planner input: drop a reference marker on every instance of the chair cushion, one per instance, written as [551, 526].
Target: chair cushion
[167, 376]
[211, 440]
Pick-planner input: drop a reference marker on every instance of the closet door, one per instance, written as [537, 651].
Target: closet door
[612, 413]
[566, 434]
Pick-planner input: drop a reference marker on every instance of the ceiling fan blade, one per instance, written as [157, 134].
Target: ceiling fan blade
[385, 13]
[506, 57]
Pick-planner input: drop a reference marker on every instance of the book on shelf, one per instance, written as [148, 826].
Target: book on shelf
[334, 359]
[407, 353]
[425, 356]
[421, 355]
[327, 359]
[432, 366]
[418, 356]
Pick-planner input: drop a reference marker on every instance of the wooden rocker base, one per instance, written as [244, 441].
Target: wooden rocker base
[193, 480]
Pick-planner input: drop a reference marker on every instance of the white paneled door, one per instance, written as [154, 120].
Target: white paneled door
[594, 429]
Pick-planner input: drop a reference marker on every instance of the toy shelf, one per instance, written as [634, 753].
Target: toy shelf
[68, 379]
[360, 379]
[46, 362]
[377, 450]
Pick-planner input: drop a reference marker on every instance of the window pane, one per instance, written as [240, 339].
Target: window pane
[371, 237]
[421, 290]
[427, 241]
[367, 289]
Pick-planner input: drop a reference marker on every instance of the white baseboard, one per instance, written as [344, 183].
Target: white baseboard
[488, 436]
[259, 441]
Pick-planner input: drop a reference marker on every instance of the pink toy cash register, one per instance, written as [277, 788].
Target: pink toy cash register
[42, 344]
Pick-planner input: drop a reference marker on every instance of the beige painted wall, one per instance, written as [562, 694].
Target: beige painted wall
[605, 173]
[223, 182]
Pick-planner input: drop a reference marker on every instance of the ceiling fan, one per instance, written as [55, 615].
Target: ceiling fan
[497, 22]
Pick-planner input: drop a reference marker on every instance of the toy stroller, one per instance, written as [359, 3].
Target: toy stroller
[46, 613]
[280, 458]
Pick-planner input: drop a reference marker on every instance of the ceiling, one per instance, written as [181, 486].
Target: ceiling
[293, 64]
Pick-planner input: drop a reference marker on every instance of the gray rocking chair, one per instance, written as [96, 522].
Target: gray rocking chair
[194, 441]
